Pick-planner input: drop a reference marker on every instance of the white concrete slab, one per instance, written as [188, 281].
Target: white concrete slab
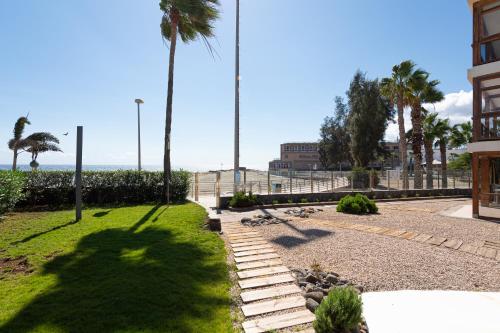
[409, 311]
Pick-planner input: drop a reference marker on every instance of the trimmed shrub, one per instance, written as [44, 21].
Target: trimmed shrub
[339, 312]
[357, 204]
[11, 189]
[304, 200]
[57, 188]
[241, 199]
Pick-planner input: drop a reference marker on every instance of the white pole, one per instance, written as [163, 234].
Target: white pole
[237, 101]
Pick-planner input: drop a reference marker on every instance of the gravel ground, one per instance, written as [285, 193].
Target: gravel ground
[423, 216]
[380, 262]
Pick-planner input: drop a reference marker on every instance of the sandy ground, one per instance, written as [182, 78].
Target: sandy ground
[386, 263]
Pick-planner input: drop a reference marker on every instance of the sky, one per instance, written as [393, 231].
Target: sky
[70, 63]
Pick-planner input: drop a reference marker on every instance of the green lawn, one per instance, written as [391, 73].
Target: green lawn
[133, 269]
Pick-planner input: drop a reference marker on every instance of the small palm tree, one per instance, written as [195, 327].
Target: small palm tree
[40, 142]
[189, 19]
[17, 143]
[396, 89]
[421, 91]
[429, 133]
[442, 131]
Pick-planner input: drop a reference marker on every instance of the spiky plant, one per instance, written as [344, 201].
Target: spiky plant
[190, 20]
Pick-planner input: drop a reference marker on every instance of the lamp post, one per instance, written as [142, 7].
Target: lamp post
[139, 102]
[237, 103]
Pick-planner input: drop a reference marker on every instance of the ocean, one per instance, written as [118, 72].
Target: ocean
[87, 167]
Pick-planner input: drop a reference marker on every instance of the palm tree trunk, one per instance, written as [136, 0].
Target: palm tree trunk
[167, 167]
[14, 162]
[416, 119]
[402, 144]
[444, 166]
[429, 158]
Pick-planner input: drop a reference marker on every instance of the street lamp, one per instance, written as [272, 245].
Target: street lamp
[139, 102]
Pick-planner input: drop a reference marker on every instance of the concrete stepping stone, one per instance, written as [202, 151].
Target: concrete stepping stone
[409, 235]
[279, 321]
[253, 243]
[435, 240]
[422, 238]
[252, 247]
[492, 245]
[453, 243]
[257, 295]
[273, 305]
[256, 257]
[309, 330]
[243, 235]
[262, 272]
[253, 252]
[469, 248]
[487, 252]
[265, 281]
[246, 240]
[258, 264]
[236, 231]
[394, 232]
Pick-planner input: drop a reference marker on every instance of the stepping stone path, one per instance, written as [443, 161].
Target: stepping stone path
[272, 299]
[486, 249]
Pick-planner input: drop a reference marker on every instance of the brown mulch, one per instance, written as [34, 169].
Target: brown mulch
[17, 265]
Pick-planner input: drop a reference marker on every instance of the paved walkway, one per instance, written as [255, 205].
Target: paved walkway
[271, 298]
[487, 249]
[432, 311]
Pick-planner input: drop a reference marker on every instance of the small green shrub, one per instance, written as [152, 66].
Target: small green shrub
[11, 189]
[340, 311]
[357, 204]
[290, 201]
[275, 202]
[304, 200]
[241, 199]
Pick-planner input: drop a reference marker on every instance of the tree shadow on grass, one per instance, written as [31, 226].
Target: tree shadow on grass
[102, 213]
[38, 234]
[120, 280]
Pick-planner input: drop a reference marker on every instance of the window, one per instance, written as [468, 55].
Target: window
[486, 33]
[487, 119]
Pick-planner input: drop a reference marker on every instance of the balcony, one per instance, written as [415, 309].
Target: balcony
[486, 46]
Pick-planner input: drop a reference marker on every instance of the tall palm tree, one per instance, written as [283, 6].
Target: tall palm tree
[17, 142]
[429, 134]
[189, 19]
[396, 89]
[442, 131]
[461, 135]
[40, 142]
[421, 91]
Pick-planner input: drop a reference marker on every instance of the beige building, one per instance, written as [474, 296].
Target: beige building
[297, 156]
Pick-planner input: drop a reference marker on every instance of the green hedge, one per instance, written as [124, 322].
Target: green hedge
[240, 200]
[11, 189]
[56, 188]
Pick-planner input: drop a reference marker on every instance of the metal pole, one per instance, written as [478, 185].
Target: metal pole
[139, 134]
[78, 173]
[237, 100]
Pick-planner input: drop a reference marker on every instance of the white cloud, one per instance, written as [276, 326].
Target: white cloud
[456, 106]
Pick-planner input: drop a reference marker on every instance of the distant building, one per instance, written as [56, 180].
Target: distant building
[297, 156]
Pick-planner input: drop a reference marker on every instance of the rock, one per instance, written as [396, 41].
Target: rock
[325, 291]
[302, 284]
[311, 305]
[332, 278]
[246, 219]
[315, 295]
[311, 278]
[310, 288]
[334, 274]
[359, 288]
[325, 285]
